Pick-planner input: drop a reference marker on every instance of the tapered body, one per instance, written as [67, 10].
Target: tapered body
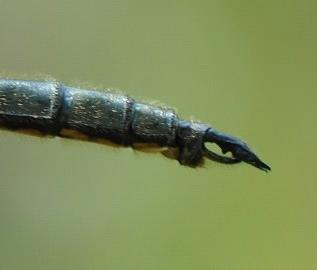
[53, 108]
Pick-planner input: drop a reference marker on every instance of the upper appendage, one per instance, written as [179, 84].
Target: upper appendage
[192, 138]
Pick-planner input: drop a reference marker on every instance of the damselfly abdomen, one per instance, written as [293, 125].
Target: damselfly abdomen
[54, 108]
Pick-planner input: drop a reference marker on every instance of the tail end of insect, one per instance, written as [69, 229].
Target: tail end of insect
[239, 149]
[262, 166]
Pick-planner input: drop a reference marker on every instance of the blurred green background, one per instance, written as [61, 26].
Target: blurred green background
[243, 66]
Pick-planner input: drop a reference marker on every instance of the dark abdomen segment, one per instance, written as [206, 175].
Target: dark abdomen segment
[52, 107]
[29, 104]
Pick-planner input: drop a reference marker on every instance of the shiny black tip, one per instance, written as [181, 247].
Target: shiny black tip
[240, 150]
[260, 165]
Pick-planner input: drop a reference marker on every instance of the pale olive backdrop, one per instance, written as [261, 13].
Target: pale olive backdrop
[243, 66]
